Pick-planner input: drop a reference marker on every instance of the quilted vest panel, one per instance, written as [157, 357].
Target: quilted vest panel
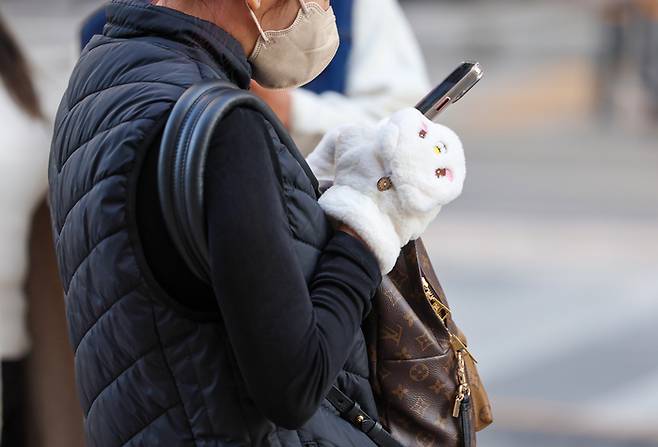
[148, 374]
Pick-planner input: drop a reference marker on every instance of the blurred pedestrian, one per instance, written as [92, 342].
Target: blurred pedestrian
[23, 157]
[615, 16]
[627, 26]
[649, 56]
[92, 26]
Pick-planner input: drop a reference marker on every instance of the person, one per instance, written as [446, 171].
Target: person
[649, 59]
[614, 20]
[92, 26]
[626, 23]
[372, 75]
[23, 158]
[163, 358]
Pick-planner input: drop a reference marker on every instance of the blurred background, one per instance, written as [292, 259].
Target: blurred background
[549, 258]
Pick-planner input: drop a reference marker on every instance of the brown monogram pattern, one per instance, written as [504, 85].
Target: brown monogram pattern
[413, 365]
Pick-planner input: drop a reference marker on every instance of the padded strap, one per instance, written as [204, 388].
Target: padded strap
[182, 160]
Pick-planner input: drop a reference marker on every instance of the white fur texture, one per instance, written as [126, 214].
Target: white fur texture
[426, 165]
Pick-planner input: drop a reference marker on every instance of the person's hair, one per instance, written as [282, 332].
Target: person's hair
[16, 75]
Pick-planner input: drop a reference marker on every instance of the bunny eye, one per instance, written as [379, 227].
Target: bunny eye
[440, 148]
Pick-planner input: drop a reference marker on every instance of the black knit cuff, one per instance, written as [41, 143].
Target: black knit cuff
[358, 252]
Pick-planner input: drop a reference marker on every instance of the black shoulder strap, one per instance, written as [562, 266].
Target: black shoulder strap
[182, 160]
[181, 166]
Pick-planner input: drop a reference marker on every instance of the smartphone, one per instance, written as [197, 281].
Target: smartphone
[451, 90]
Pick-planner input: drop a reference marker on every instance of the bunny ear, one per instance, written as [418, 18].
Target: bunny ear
[322, 160]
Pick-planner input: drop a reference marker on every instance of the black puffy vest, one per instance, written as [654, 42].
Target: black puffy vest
[149, 374]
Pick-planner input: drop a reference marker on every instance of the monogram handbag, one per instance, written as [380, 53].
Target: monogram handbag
[426, 385]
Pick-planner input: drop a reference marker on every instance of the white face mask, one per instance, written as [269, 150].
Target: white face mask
[298, 54]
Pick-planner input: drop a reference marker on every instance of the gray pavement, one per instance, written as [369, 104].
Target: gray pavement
[550, 257]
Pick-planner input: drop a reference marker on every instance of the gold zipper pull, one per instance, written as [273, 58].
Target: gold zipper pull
[441, 310]
[459, 347]
[464, 389]
[456, 409]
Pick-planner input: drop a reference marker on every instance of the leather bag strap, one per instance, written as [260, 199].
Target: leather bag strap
[181, 168]
[352, 412]
[182, 160]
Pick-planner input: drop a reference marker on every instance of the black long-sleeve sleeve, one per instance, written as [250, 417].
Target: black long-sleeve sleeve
[290, 339]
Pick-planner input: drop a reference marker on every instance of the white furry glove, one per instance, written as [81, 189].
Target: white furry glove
[390, 180]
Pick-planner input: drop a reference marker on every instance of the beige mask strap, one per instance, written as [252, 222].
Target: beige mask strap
[260, 28]
[255, 19]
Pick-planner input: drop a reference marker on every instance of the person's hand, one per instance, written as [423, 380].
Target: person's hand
[279, 101]
[391, 180]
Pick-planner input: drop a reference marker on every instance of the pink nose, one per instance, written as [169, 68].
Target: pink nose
[445, 172]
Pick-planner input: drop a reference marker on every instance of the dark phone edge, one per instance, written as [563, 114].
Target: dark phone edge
[426, 104]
